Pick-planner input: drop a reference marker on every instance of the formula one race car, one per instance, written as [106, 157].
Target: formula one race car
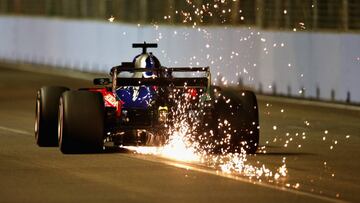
[139, 103]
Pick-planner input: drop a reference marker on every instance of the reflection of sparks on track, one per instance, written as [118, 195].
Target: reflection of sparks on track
[229, 163]
[182, 146]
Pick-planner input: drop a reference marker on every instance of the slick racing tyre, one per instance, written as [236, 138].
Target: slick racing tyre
[81, 122]
[46, 115]
[237, 120]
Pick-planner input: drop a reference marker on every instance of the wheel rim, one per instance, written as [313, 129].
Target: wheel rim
[37, 117]
[60, 122]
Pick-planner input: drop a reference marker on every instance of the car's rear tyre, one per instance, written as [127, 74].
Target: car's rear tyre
[237, 113]
[81, 122]
[46, 115]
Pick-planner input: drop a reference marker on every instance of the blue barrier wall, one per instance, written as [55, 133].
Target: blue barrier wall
[285, 61]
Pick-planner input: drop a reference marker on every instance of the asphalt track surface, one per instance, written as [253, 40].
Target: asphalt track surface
[32, 174]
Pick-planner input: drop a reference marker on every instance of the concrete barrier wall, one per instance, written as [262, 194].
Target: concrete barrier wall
[293, 63]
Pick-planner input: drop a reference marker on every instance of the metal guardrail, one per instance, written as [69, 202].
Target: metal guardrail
[299, 15]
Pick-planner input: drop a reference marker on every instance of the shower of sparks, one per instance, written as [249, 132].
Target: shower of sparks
[186, 143]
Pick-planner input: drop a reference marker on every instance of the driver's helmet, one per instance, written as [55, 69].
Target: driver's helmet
[147, 60]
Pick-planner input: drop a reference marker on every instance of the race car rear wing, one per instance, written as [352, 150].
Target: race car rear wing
[177, 82]
[164, 78]
[129, 67]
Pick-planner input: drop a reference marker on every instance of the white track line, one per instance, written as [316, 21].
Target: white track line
[15, 131]
[204, 169]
